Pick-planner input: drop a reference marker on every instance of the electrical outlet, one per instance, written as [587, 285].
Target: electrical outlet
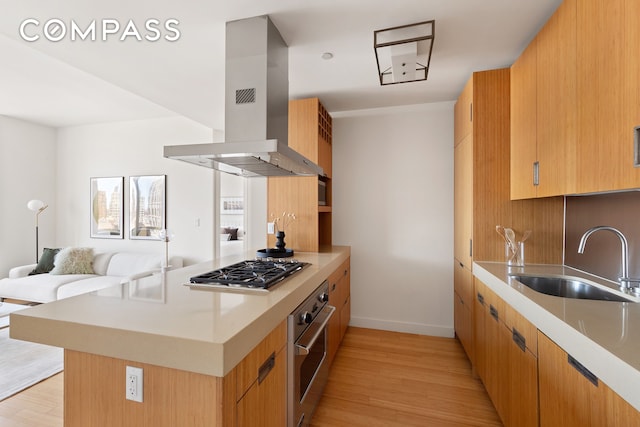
[134, 384]
[271, 228]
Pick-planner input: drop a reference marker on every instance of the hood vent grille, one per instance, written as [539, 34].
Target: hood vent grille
[246, 96]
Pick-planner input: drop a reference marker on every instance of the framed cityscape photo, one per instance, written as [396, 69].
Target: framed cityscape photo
[106, 208]
[147, 206]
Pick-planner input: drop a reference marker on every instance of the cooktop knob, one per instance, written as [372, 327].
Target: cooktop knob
[306, 317]
[323, 297]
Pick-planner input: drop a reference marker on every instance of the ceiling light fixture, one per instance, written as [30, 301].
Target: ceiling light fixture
[403, 53]
[327, 55]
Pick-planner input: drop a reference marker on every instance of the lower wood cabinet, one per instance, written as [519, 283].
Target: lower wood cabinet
[340, 298]
[262, 404]
[463, 298]
[506, 361]
[252, 394]
[531, 380]
[570, 395]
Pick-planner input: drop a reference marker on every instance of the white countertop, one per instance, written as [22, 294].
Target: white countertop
[604, 336]
[160, 321]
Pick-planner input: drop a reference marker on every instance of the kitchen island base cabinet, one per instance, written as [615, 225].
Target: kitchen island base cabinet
[570, 395]
[94, 390]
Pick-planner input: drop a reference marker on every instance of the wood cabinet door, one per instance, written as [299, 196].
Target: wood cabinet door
[265, 403]
[463, 307]
[521, 393]
[480, 345]
[463, 201]
[463, 113]
[566, 395]
[608, 88]
[556, 102]
[523, 123]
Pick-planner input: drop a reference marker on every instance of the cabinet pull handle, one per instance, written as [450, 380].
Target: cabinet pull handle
[493, 311]
[636, 146]
[536, 173]
[471, 111]
[345, 271]
[584, 371]
[480, 298]
[519, 339]
[470, 247]
[333, 288]
[461, 264]
[266, 367]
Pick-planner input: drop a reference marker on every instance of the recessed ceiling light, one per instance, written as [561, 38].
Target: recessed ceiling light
[327, 55]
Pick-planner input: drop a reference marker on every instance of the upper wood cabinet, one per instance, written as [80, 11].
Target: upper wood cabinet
[310, 134]
[524, 123]
[543, 121]
[609, 88]
[310, 131]
[463, 112]
[587, 96]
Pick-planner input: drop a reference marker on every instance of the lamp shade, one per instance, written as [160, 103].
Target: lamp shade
[35, 205]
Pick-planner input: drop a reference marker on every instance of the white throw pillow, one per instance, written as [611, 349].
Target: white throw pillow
[73, 261]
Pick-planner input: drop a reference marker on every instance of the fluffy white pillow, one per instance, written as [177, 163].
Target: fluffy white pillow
[73, 261]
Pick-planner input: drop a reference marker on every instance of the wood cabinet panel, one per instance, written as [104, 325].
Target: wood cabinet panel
[522, 386]
[463, 111]
[247, 370]
[556, 102]
[524, 123]
[565, 394]
[568, 398]
[608, 87]
[463, 200]
[94, 395]
[264, 404]
[340, 298]
[463, 308]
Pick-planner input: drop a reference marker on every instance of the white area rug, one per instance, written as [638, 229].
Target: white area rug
[6, 309]
[23, 363]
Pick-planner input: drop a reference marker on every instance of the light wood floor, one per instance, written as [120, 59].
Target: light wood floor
[378, 379]
[390, 379]
[38, 406]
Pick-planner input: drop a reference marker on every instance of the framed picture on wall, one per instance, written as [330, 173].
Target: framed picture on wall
[232, 205]
[106, 208]
[147, 206]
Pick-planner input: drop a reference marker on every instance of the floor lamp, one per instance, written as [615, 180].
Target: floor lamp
[37, 206]
[166, 236]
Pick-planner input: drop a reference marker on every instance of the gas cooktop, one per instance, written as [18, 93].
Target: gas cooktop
[254, 274]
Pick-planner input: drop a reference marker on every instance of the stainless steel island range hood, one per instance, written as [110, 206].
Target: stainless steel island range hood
[256, 108]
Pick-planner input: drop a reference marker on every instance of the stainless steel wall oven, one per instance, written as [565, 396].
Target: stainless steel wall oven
[307, 353]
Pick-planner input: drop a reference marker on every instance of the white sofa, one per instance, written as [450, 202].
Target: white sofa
[110, 268]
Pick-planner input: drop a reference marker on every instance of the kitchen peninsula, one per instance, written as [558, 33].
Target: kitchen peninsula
[199, 349]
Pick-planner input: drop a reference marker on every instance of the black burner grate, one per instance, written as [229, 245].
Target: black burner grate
[251, 273]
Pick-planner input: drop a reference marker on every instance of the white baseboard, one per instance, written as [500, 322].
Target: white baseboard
[411, 328]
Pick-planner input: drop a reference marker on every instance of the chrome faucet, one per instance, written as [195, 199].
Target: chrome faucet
[626, 283]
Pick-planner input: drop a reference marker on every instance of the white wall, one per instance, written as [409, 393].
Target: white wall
[128, 149]
[27, 171]
[393, 203]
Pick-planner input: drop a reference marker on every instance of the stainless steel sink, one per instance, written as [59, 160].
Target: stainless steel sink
[568, 287]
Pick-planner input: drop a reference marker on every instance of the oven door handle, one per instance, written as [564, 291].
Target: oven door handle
[309, 337]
